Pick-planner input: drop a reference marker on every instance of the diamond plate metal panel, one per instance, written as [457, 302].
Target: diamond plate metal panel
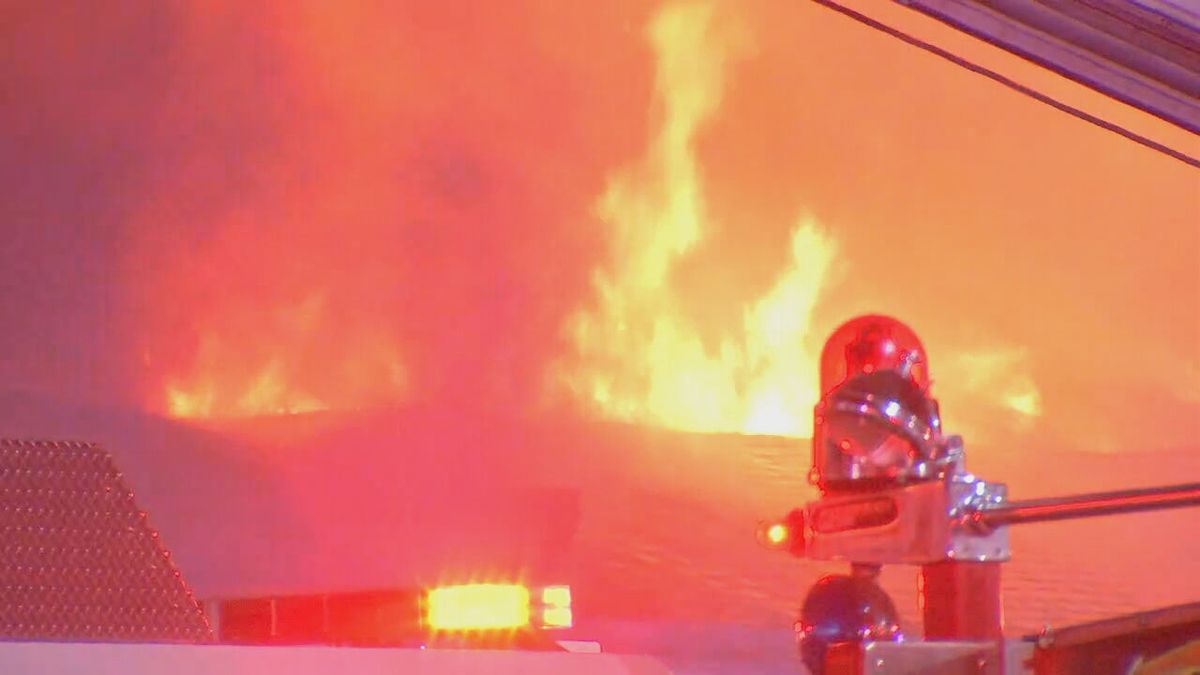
[78, 559]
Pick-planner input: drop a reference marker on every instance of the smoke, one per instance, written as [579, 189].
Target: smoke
[249, 208]
[72, 108]
[333, 206]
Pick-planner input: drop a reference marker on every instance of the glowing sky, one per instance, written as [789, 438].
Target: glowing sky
[395, 204]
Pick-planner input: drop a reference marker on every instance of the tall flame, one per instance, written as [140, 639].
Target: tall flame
[388, 251]
[641, 357]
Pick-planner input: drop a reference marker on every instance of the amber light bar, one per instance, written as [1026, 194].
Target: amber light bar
[477, 607]
[496, 606]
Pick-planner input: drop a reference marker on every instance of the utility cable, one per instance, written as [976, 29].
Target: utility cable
[1010, 83]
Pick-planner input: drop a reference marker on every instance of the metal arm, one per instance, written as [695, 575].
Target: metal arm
[1085, 506]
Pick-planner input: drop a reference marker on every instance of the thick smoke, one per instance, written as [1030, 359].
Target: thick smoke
[75, 89]
[396, 202]
[363, 203]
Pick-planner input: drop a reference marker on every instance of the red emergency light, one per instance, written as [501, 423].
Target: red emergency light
[869, 344]
[876, 424]
[463, 616]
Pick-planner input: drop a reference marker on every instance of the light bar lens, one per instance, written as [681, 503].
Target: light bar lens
[556, 596]
[557, 617]
[477, 606]
[556, 607]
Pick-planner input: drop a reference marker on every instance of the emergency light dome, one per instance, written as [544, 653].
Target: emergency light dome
[869, 344]
[876, 424]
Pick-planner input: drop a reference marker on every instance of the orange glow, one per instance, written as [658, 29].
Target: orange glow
[477, 606]
[988, 386]
[777, 534]
[657, 211]
[282, 366]
[264, 393]
[276, 388]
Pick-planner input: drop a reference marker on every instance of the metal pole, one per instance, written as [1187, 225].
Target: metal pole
[1085, 506]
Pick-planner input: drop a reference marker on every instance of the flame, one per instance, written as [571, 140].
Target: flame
[266, 392]
[282, 369]
[270, 307]
[641, 357]
[1003, 374]
[980, 386]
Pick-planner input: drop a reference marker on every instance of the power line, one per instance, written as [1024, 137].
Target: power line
[1010, 83]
